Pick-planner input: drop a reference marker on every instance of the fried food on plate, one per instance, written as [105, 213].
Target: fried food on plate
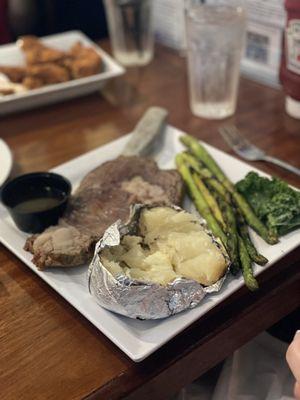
[31, 82]
[48, 73]
[8, 87]
[83, 61]
[6, 91]
[28, 42]
[46, 66]
[14, 74]
[37, 53]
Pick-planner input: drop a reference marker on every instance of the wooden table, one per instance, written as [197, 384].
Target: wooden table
[48, 350]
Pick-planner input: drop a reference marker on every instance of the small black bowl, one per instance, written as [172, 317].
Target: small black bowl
[37, 200]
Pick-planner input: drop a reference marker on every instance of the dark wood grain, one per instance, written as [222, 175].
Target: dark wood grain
[47, 349]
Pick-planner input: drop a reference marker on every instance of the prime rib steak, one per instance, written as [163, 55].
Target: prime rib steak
[104, 196]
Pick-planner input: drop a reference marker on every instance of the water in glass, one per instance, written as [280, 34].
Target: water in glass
[131, 33]
[215, 40]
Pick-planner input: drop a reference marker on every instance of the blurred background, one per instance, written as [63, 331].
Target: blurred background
[44, 17]
[261, 61]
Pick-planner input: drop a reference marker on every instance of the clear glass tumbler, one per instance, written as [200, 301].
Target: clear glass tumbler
[215, 42]
[131, 31]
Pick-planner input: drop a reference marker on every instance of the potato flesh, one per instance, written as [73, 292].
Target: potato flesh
[172, 244]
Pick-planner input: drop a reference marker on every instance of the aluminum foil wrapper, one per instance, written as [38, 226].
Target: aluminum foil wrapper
[136, 299]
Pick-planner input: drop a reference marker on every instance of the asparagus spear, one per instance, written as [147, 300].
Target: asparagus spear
[253, 221]
[243, 230]
[192, 162]
[249, 278]
[219, 188]
[211, 201]
[205, 173]
[240, 222]
[200, 152]
[199, 200]
[232, 234]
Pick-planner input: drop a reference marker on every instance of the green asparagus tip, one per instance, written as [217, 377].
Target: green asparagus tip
[188, 140]
[272, 238]
[251, 283]
[178, 159]
[260, 260]
[184, 138]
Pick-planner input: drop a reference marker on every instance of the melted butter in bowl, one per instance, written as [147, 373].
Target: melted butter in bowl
[36, 201]
[37, 205]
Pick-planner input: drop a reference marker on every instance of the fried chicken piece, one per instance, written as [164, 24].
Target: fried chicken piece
[6, 91]
[40, 55]
[37, 53]
[31, 82]
[46, 65]
[7, 87]
[14, 74]
[83, 61]
[48, 73]
[28, 42]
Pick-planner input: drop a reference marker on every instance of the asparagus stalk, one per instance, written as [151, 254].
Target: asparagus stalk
[192, 162]
[199, 200]
[243, 230]
[211, 201]
[232, 234]
[249, 278]
[253, 221]
[219, 188]
[241, 225]
[206, 174]
[200, 152]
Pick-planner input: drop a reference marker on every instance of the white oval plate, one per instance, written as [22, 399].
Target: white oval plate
[5, 161]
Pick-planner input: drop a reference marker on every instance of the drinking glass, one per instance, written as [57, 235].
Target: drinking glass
[215, 41]
[131, 31]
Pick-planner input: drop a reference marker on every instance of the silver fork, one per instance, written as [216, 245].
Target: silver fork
[248, 151]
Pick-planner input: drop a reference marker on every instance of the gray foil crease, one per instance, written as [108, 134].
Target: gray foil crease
[136, 299]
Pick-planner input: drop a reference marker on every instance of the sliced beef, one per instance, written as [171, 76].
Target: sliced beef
[104, 196]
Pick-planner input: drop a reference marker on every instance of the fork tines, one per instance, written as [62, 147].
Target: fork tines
[240, 144]
[232, 136]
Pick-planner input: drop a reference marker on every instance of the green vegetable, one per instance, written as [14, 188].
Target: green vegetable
[232, 234]
[249, 279]
[193, 163]
[211, 201]
[243, 230]
[274, 202]
[199, 200]
[202, 154]
[219, 188]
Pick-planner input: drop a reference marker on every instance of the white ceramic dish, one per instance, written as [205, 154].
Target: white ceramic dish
[138, 339]
[11, 55]
[5, 161]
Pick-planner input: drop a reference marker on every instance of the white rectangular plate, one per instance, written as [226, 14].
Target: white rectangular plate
[10, 54]
[138, 339]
